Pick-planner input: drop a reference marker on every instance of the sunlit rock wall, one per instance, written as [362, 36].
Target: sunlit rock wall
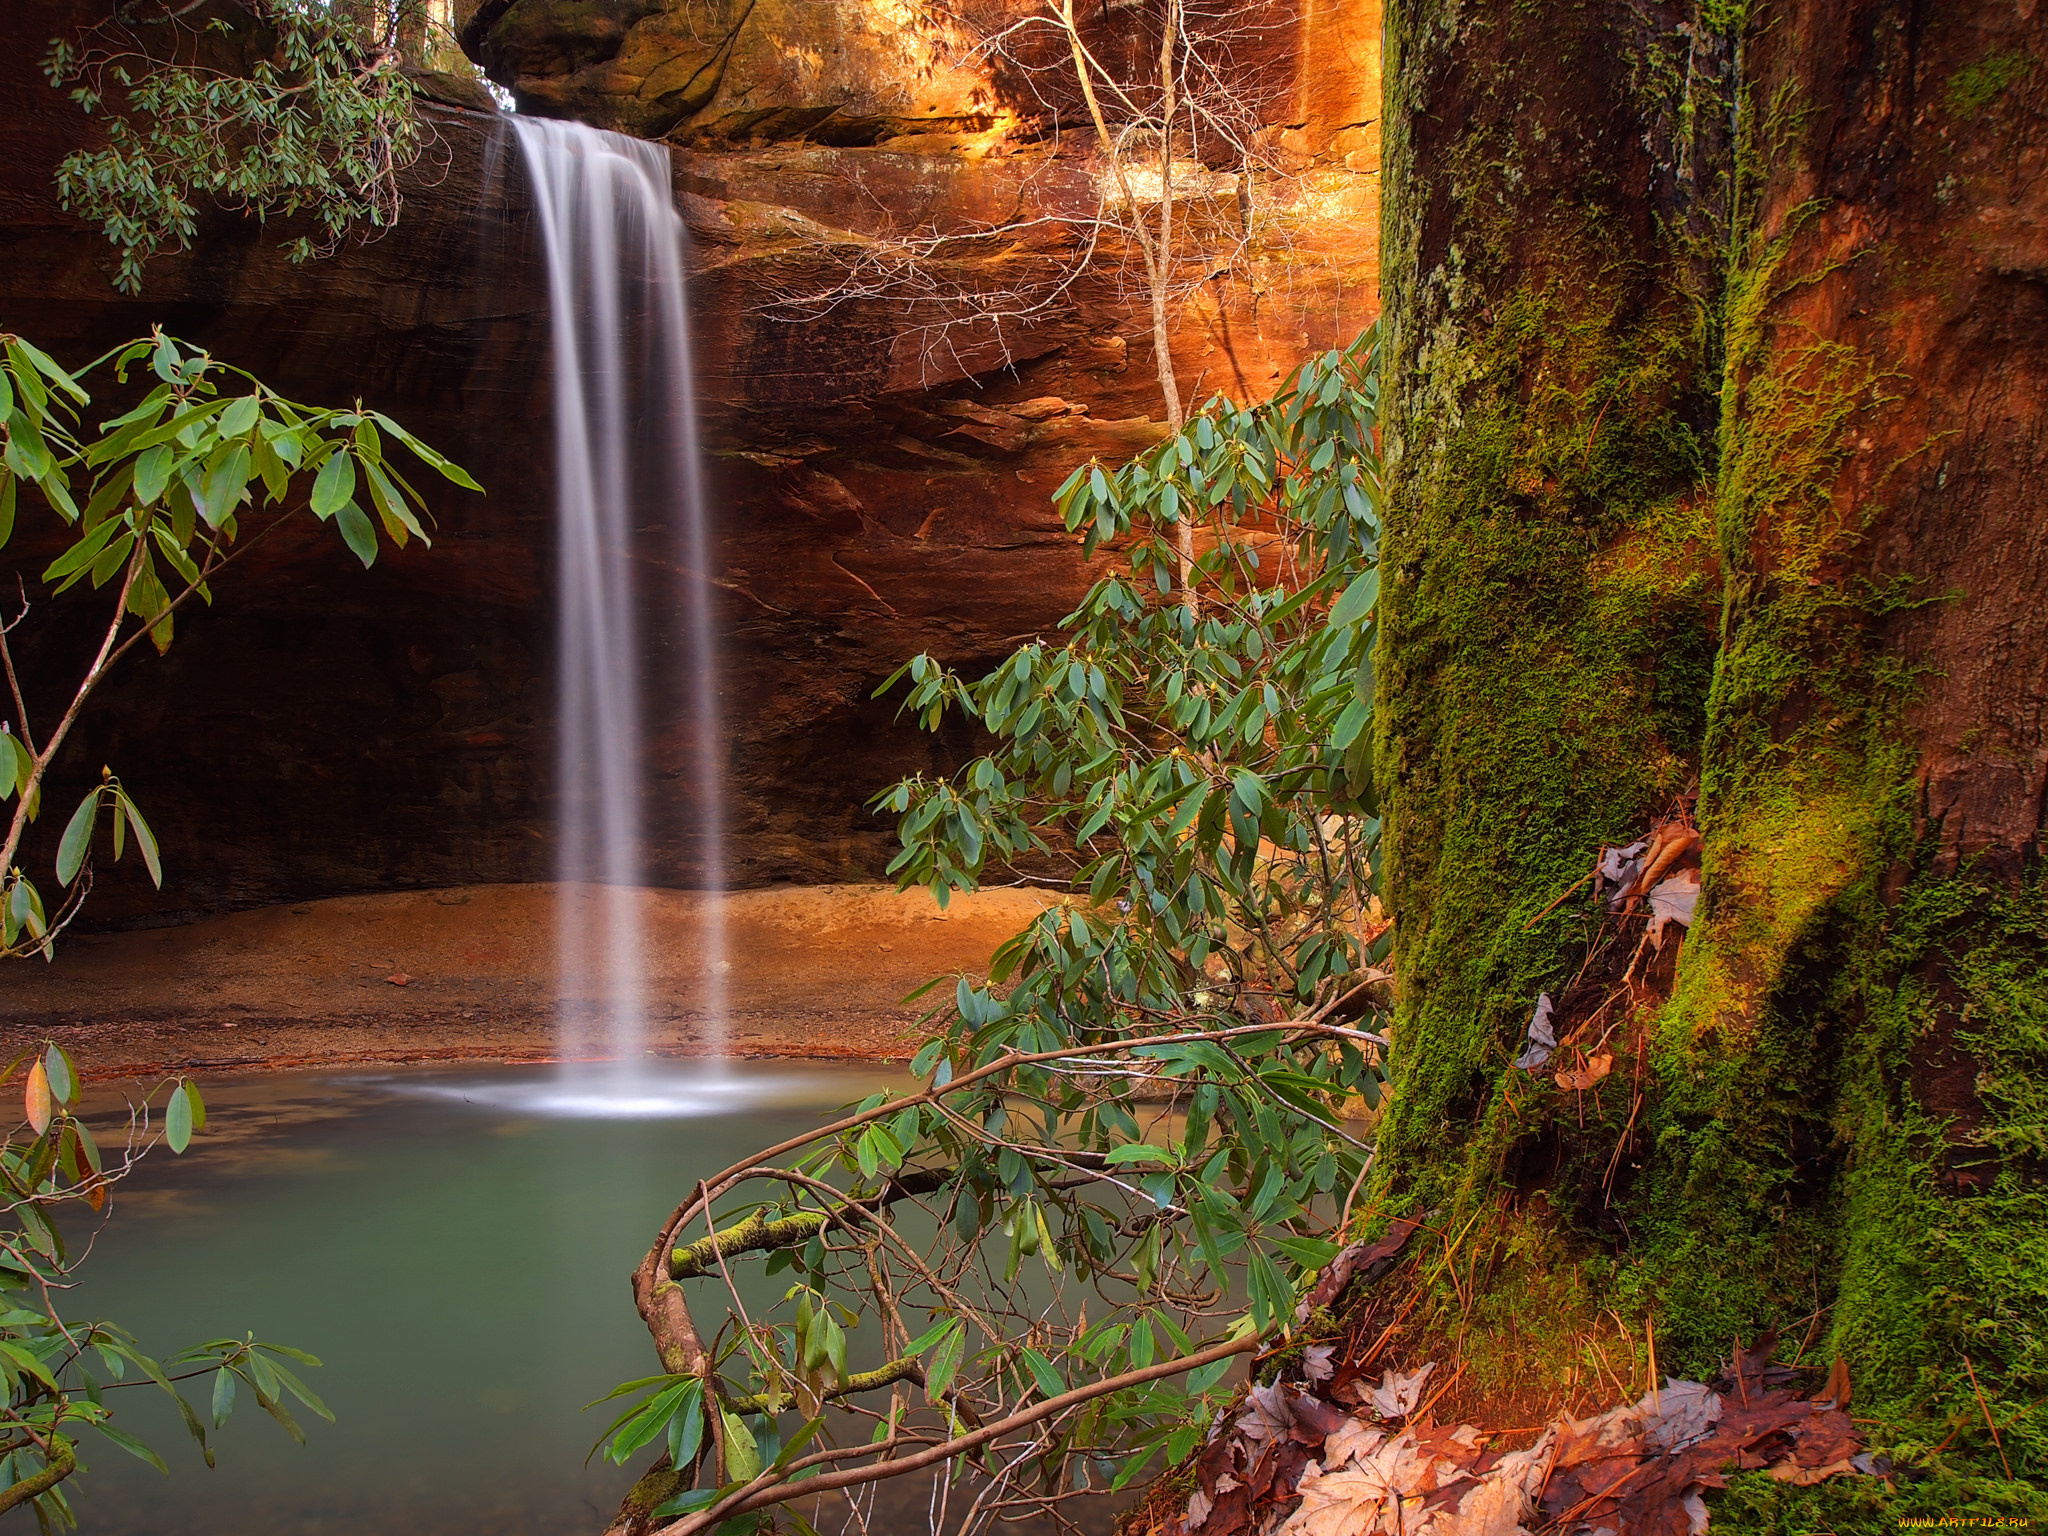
[880, 489]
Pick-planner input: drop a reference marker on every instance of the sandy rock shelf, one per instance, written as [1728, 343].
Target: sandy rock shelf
[469, 973]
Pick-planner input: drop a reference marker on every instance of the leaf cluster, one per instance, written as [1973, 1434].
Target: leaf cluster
[154, 504]
[319, 124]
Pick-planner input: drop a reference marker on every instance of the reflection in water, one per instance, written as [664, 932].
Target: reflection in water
[666, 1092]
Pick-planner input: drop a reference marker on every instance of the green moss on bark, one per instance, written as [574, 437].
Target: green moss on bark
[1548, 617]
[1844, 1124]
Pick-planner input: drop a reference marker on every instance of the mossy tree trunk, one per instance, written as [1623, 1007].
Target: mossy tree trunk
[1716, 448]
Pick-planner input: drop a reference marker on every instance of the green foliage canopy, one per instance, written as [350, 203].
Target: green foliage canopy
[319, 122]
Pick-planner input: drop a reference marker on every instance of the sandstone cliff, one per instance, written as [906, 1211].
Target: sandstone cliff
[880, 490]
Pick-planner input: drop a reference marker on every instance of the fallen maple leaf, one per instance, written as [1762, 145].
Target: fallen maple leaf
[1681, 1413]
[1673, 901]
[1354, 1438]
[1269, 1415]
[1618, 870]
[1396, 1395]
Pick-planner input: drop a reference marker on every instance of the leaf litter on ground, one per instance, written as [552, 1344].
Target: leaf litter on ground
[1293, 1464]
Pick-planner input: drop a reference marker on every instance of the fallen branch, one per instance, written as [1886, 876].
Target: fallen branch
[762, 1491]
[905, 1369]
[758, 1234]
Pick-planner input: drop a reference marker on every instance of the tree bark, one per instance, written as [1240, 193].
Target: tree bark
[1716, 413]
[1548, 593]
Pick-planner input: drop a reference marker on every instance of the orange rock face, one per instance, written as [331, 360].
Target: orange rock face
[882, 480]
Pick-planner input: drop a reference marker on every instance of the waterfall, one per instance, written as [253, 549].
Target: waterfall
[626, 458]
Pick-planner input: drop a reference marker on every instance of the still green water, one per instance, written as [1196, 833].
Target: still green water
[455, 1246]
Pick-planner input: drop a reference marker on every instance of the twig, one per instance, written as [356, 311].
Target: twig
[1614, 1162]
[1365, 1167]
[1559, 899]
[743, 1500]
[1988, 1422]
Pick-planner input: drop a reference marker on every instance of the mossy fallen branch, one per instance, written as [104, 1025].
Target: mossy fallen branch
[905, 1369]
[758, 1234]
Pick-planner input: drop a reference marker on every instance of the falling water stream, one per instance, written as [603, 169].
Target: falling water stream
[627, 458]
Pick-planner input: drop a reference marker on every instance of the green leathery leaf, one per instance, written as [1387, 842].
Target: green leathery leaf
[145, 840]
[357, 532]
[282, 1414]
[334, 485]
[297, 1388]
[178, 1132]
[109, 494]
[835, 1346]
[77, 839]
[239, 416]
[224, 484]
[1350, 723]
[63, 1080]
[193, 1423]
[688, 1503]
[153, 473]
[223, 1392]
[929, 1337]
[397, 517]
[686, 1428]
[132, 1446]
[264, 1376]
[742, 1454]
[650, 1419]
[83, 553]
[946, 1362]
[1042, 1373]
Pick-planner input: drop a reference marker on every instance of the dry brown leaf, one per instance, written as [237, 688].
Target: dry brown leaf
[1673, 901]
[1542, 1036]
[1357, 1258]
[1672, 841]
[1618, 870]
[1789, 1471]
[1683, 1412]
[37, 1098]
[1396, 1395]
[1343, 1503]
[1494, 1506]
[1836, 1393]
[1353, 1438]
[1595, 1068]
